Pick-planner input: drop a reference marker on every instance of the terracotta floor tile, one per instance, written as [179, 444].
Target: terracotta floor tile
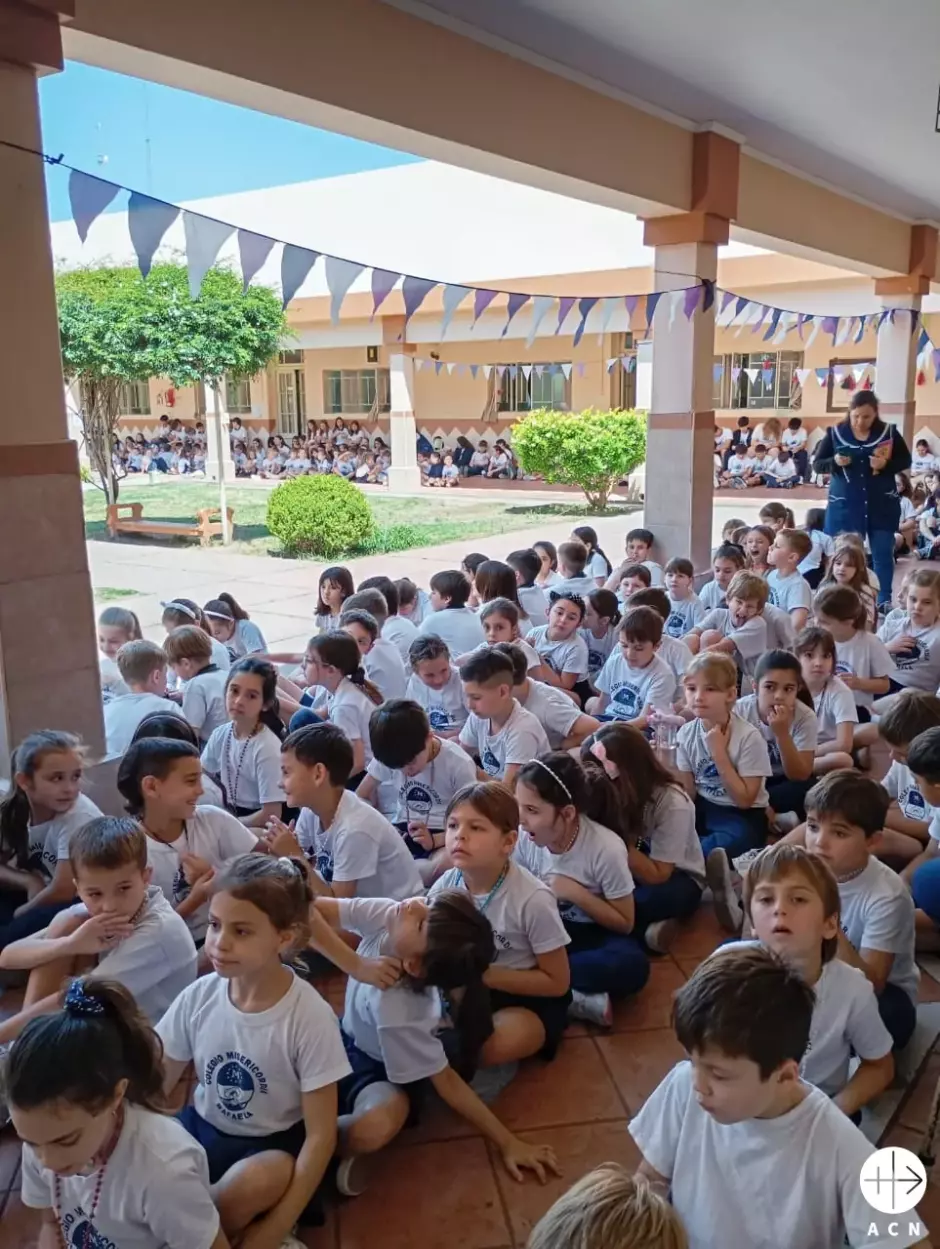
[578, 1149]
[915, 1111]
[440, 1196]
[651, 1008]
[10, 1152]
[699, 935]
[638, 1061]
[19, 1227]
[437, 1123]
[575, 1088]
[11, 1003]
[325, 1237]
[688, 965]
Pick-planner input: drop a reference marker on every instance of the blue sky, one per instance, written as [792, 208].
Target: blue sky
[178, 146]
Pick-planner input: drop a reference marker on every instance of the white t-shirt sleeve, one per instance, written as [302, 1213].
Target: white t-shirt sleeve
[195, 707]
[805, 730]
[268, 770]
[213, 750]
[613, 875]
[321, 1056]
[178, 1207]
[134, 964]
[543, 923]
[574, 657]
[661, 691]
[366, 916]
[234, 837]
[658, 1126]
[355, 856]
[753, 756]
[889, 924]
[882, 665]
[684, 761]
[174, 1029]
[345, 716]
[522, 742]
[468, 734]
[751, 639]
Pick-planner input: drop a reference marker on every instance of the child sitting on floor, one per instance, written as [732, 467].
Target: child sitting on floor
[565, 726]
[380, 658]
[189, 654]
[563, 650]
[142, 666]
[728, 560]
[686, 609]
[498, 732]
[788, 588]
[781, 711]
[609, 1209]
[243, 757]
[862, 659]
[435, 685]
[836, 715]
[634, 678]
[905, 836]
[738, 630]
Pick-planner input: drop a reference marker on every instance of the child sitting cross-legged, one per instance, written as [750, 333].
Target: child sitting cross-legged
[923, 873]
[728, 560]
[564, 725]
[559, 643]
[738, 630]
[731, 1129]
[243, 757]
[435, 685]
[634, 678]
[123, 929]
[789, 590]
[395, 1038]
[382, 663]
[499, 732]
[189, 654]
[142, 666]
[672, 651]
[686, 609]
[862, 659]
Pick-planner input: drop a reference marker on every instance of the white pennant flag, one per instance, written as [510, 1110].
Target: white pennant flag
[204, 239]
[610, 363]
[540, 305]
[802, 376]
[487, 370]
[785, 324]
[566, 369]
[859, 371]
[676, 301]
[451, 299]
[607, 311]
[842, 331]
[450, 365]
[527, 371]
[340, 275]
[816, 324]
[752, 375]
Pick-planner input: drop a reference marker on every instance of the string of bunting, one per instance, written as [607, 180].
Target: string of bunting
[149, 220]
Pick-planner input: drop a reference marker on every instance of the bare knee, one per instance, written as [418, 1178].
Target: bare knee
[379, 1114]
[517, 1033]
[711, 637]
[251, 1188]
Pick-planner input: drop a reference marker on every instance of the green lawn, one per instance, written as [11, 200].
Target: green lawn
[403, 523]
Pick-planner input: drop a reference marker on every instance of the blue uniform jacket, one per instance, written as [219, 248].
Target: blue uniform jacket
[861, 501]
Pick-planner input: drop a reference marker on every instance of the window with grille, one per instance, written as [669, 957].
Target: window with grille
[546, 386]
[135, 399]
[237, 395]
[356, 391]
[757, 379]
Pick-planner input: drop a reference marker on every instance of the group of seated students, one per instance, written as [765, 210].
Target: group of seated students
[766, 456]
[491, 805]
[175, 449]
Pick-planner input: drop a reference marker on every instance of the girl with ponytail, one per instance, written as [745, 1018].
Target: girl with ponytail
[393, 1039]
[101, 1162]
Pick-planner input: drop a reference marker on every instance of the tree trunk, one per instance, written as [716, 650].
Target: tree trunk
[99, 398]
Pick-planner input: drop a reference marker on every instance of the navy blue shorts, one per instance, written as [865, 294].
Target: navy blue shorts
[367, 1070]
[223, 1150]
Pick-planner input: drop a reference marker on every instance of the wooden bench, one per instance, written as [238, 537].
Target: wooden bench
[129, 518]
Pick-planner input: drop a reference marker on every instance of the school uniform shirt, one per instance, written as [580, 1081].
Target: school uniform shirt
[445, 707]
[835, 705]
[523, 914]
[684, 614]
[598, 649]
[155, 1196]
[581, 586]
[204, 702]
[675, 653]
[597, 860]
[923, 463]
[823, 547]
[803, 730]
[400, 632]
[669, 832]
[384, 668]
[553, 709]
[866, 656]
[781, 636]
[565, 655]
[655, 571]
[253, 1067]
[49, 841]
[902, 786]
[532, 658]
[520, 739]
[246, 640]
[249, 769]
[360, 845]
[459, 627]
[326, 623]
[747, 751]
[534, 604]
[781, 470]
[630, 690]
[878, 914]
[210, 834]
[741, 465]
[113, 684]
[747, 1183]
[350, 710]
[156, 962]
[397, 1026]
[750, 640]
[789, 593]
[919, 667]
[712, 595]
[425, 795]
[123, 714]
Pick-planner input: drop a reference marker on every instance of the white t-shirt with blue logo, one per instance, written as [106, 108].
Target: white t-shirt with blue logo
[597, 860]
[425, 795]
[253, 1067]
[350, 709]
[918, 668]
[789, 593]
[360, 845]
[49, 841]
[750, 639]
[445, 707]
[902, 786]
[747, 751]
[684, 614]
[566, 655]
[553, 709]
[669, 833]
[864, 655]
[676, 654]
[834, 705]
[599, 648]
[711, 595]
[803, 729]
[520, 739]
[630, 690]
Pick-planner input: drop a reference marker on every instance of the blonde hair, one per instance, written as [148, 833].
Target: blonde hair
[138, 659]
[748, 587]
[610, 1209]
[188, 642]
[779, 861]
[716, 666]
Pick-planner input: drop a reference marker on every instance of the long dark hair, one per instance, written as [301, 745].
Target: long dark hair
[559, 779]
[270, 714]
[784, 661]
[79, 1055]
[342, 577]
[340, 651]
[14, 807]
[588, 536]
[641, 774]
[494, 579]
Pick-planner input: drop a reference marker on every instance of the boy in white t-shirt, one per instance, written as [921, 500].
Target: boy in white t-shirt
[573, 574]
[686, 609]
[123, 929]
[634, 678]
[730, 1131]
[789, 590]
[450, 618]
[923, 873]
[380, 658]
[142, 666]
[739, 471]
[565, 725]
[498, 732]
[435, 685]
[638, 546]
[906, 834]
[189, 653]
[738, 630]
[397, 629]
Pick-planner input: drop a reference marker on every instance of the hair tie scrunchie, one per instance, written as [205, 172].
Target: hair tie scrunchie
[359, 676]
[81, 1003]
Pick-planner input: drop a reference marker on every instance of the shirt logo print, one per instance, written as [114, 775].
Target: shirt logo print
[490, 763]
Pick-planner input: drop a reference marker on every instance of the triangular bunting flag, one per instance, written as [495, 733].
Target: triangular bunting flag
[802, 376]
[921, 379]
[651, 302]
[690, 302]
[450, 366]
[501, 369]
[922, 341]
[537, 369]
[461, 369]
[296, 263]
[89, 197]
[487, 370]
[862, 327]
[340, 275]
[253, 251]
[414, 292]
[474, 369]
[585, 308]
[514, 302]
[936, 367]
[843, 326]
[815, 325]
[859, 371]
[822, 376]
[610, 363]
[752, 375]
[540, 305]
[438, 365]
[204, 239]
[451, 299]
[630, 303]
[383, 283]
[740, 305]
[565, 304]
[801, 319]
[774, 322]
[726, 298]
[481, 301]
[676, 299]
[513, 370]
[709, 297]
[527, 371]
[148, 221]
[735, 374]
[566, 369]
[761, 319]
[830, 326]
[607, 311]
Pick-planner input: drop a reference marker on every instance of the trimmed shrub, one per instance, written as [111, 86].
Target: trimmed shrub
[591, 449]
[324, 516]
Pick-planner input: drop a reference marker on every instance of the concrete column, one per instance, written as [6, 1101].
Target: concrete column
[896, 364]
[403, 473]
[49, 674]
[219, 463]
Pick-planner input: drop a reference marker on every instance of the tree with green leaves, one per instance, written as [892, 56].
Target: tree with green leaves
[592, 449]
[116, 327]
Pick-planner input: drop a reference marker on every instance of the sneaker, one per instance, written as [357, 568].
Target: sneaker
[351, 1177]
[660, 936]
[592, 1008]
[727, 907]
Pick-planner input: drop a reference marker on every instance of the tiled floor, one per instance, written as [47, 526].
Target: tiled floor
[444, 1179]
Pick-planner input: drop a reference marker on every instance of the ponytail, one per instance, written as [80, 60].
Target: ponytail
[122, 618]
[238, 613]
[79, 1055]
[369, 688]
[340, 651]
[14, 807]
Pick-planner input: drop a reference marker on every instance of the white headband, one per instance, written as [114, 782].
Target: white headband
[174, 606]
[555, 777]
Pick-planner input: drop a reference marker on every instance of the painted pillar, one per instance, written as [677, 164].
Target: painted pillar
[219, 464]
[403, 473]
[49, 675]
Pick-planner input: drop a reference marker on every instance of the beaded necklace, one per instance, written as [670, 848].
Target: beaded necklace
[482, 908]
[231, 793]
[96, 1196]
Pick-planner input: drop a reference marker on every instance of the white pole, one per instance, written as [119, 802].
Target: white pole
[217, 422]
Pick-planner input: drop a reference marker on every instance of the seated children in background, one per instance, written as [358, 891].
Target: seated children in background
[434, 476]
[500, 620]
[564, 725]
[656, 817]
[686, 609]
[601, 618]
[585, 866]
[673, 651]
[450, 618]
[333, 663]
[922, 461]
[86, 1081]
[638, 545]
[468, 566]
[572, 578]
[413, 604]
[912, 636]
[598, 565]
[738, 630]
[142, 666]
[160, 781]
[633, 578]
[848, 567]
[780, 711]
[757, 543]
[741, 1110]
[397, 629]
[862, 659]
[116, 625]
[782, 471]
[923, 873]
[243, 757]
[333, 589]
[498, 731]
[928, 535]
[123, 929]
[792, 900]
[450, 475]
[845, 814]
[39, 814]
[906, 832]
[762, 462]
[351, 849]
[634, 678]
[788, 589]
[435, 685]
[607, 1209]
[529, 980]
[722, 760]
[189, 654]
[527, 566]
[267, 1154]
[492, 580]
[740, 469]
[811, 567]
[833, 701]
[363, 616]
[776, 516]
[559, 643]
[548, 555]
[183, 611]
[727, 560]
[231, 625]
